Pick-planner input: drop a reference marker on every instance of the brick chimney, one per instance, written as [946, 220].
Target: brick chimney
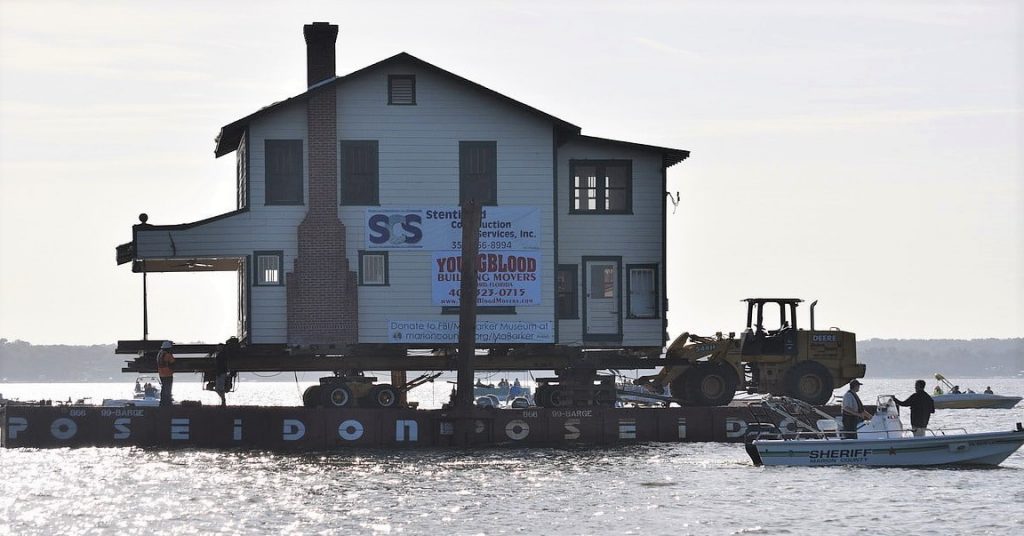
[320, 40]
[322, 293]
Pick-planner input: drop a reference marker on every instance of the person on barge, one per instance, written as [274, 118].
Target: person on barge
[165, 368]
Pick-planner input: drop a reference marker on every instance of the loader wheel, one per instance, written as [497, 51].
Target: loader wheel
[678, 388]
[311, 396]
[605, 398]
[383, 396]
[543, 396]
[809, 381]
[337, 396]
[549, 396]
[561, 398]
[711, 384]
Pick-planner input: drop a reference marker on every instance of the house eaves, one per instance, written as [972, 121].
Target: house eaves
[669, 156]
[230, 135]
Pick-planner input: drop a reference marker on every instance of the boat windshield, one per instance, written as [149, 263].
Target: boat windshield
[885, 401]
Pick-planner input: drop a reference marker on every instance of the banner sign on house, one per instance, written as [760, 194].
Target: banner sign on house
[506, 278]
[487, 331]
[440, 228]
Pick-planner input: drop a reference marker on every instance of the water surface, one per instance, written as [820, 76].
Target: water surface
[676, 489]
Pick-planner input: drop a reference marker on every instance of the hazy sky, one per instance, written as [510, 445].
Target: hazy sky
[866, 154]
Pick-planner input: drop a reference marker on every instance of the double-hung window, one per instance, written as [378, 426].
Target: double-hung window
[601, 186]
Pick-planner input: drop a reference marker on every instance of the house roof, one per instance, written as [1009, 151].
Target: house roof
[230, 135]
[669, 156]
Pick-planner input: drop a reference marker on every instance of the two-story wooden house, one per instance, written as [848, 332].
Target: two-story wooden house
[347, 226]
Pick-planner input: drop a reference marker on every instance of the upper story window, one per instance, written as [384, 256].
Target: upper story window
[601, 186]
[401, 89]
[359, 172]
[283, 159]
[268, 268]
[478, 172]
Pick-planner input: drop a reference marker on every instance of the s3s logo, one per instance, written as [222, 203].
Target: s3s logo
[395, 229]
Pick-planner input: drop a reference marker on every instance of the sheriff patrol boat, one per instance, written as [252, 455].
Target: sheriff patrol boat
[882, 441]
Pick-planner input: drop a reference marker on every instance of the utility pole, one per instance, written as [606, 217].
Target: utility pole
[467, 306]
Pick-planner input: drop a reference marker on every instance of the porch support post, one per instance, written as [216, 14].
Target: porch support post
[145, 305]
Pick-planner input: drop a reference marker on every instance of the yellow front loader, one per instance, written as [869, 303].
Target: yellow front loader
[786, 360]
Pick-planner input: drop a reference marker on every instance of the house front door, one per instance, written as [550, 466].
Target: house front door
[603, 299]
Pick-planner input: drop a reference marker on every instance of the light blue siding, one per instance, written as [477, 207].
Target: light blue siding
[636, 237]
[419, 166]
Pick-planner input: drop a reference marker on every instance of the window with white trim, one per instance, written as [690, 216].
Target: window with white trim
[373, 268]
[642, 288]
[268, 268]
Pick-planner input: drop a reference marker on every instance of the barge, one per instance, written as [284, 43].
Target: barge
[315, 429]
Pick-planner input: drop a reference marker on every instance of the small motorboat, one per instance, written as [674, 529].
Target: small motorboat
[974, 401]
[504, 390]
[147, 394]
[492, 401]
[882, 441]
[954, 399]
[643, 395]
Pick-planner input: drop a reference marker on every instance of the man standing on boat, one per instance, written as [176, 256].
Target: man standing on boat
[165, 367]
[921, 408]
[853, 411]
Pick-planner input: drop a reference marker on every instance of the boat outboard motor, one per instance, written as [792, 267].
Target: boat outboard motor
[752, 452]
[759, 430]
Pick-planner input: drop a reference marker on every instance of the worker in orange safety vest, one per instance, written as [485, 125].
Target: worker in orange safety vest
[165, 368]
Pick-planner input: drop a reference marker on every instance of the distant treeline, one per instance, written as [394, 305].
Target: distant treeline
[886, 358]
[24, 362]
[975, 358]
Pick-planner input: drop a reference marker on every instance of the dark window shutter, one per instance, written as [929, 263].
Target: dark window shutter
[360, 172]
[478, 172]
[283, 172]
[566, 288]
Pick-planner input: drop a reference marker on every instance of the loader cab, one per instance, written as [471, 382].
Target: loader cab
[771, 326]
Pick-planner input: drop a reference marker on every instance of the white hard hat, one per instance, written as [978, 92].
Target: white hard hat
[166, 345]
